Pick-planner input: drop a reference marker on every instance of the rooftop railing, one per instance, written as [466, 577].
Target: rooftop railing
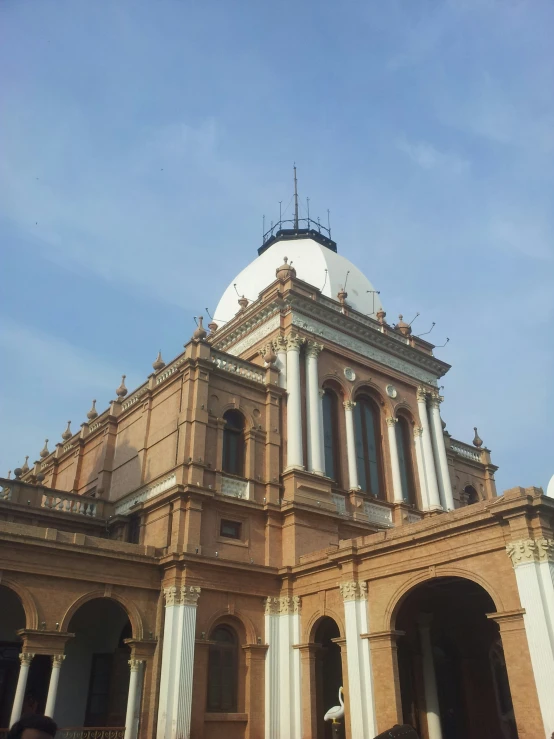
[35, 496]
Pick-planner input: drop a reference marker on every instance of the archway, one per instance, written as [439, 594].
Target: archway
[328, 671]
[450, 662]
[12, 618]
[94, 679]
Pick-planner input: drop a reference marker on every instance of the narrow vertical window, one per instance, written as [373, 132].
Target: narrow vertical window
[369, 447]
[233, 443]
[223, 670]
[404, 446]
[330, 435]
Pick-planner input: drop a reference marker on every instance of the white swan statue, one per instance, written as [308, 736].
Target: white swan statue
[337, 712]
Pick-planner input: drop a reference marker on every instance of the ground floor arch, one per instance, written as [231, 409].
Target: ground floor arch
[12, 620]
[328, 670]
[94, 680]
[451, 667]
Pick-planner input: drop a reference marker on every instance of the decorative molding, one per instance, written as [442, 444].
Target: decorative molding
[238, 367]
[251, 337]
[294, 342]
[57, 661]
[235, 488]
[26, 658]
[363, 347]
[340, 503]
[144, 494]
[421, 394]
[525, 551]
[418, 431]
[170, 595]
[135, 397]
[189, 595]
[349, 405]
[135, 664]
[392, 421]
[353, 590]
[168, 371]
[285, 605]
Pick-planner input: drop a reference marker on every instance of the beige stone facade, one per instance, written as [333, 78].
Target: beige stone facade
[282, 580]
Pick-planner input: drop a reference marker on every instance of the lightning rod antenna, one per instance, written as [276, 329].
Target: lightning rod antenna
[295, 200]
[280, 216]
[329, 221]
[308, 203]
[440, 346]
[427, 332]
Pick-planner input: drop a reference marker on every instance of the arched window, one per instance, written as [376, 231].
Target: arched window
[368, 446]
[404, 446]
[233, 443]
[330, 435]
[471, 494]
[223, 670]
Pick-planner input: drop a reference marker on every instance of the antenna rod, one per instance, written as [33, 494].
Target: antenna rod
[329, 222]
[295, 200]
[280, 216]
[308, 203]
[263, 227]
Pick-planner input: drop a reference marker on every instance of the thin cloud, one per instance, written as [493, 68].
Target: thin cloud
[428, 157]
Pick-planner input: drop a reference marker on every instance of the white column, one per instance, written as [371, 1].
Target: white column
[428, 461]
[295, 456]
[283, 689]
[25, 659]
[132, 698]
[57, 661]
[533, 562]
[177, 663]
[280, 349]
[361, 704]
[418, 431]
[395, 462]
[429, 678]
[437, 435]
[351, 445]
[314, 416]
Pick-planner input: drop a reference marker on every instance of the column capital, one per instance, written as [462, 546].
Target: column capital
[421, 394]
[170, 595]
[524, 551]
[57, 660]
[353, 590]
[392, 421]
[284, 605]
[26, 658]
[135, 664]
[279, 344]
[418, 430]
[349, 405]
[294, 342]
[313, 349]
[189, 595]
[435, 399]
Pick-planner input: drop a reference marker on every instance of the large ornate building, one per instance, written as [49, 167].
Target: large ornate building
[277, 512]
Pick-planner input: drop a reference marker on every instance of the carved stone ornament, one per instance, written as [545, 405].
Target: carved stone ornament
[170, 595]
[421, 394]
[189, 595]
[57, 660]
[279, 344]
[418, 431]
[353, 590]
[313, 349]
[284, 605]
[349, 405]
[435, 399]
[135, 664]
[524, 551]
[26, 658]
[294, 342]
[392, 421]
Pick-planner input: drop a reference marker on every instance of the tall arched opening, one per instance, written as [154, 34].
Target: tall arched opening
[94, 679]
[328, 672]
[12, 619]
[451, 664]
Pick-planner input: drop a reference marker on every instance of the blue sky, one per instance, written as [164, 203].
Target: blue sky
[143, 141]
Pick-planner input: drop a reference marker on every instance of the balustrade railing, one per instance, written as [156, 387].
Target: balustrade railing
[33, 496]
[465, 450]
[237, 367]
[104, 732]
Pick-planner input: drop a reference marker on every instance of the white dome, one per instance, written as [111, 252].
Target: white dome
[550, 488]
[310, 261]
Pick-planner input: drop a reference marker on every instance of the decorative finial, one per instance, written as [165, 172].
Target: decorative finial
[381, 315]
[285, 271]
[122, 391]
[92, 414]
[403, 327]
[9, 474]
[25, 466]
[243, 302]
[342, 295]
[200, 333]
[159, 363]
[44, 451]
[213, 327]
[40, 477]
[17, 473]
[478, 442]
[269, 355]
[67, 433]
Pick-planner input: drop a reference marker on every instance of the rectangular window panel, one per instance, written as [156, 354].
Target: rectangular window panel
[372, 452]
[231, 529]
[328, 441]
[402, 461]
[359, 439]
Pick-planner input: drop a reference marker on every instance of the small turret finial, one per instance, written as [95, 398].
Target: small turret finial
[159, 363]
[25, 466]
[477, 441]
[67, 433]
[44, 451]
[200, 333]
[92, 414]
[122, 391]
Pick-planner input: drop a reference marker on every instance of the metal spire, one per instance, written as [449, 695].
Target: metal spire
[295, 200]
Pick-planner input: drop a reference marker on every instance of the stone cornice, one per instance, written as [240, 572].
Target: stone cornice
[525, 551]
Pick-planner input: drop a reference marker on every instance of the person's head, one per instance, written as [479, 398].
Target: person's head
[33, 727]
